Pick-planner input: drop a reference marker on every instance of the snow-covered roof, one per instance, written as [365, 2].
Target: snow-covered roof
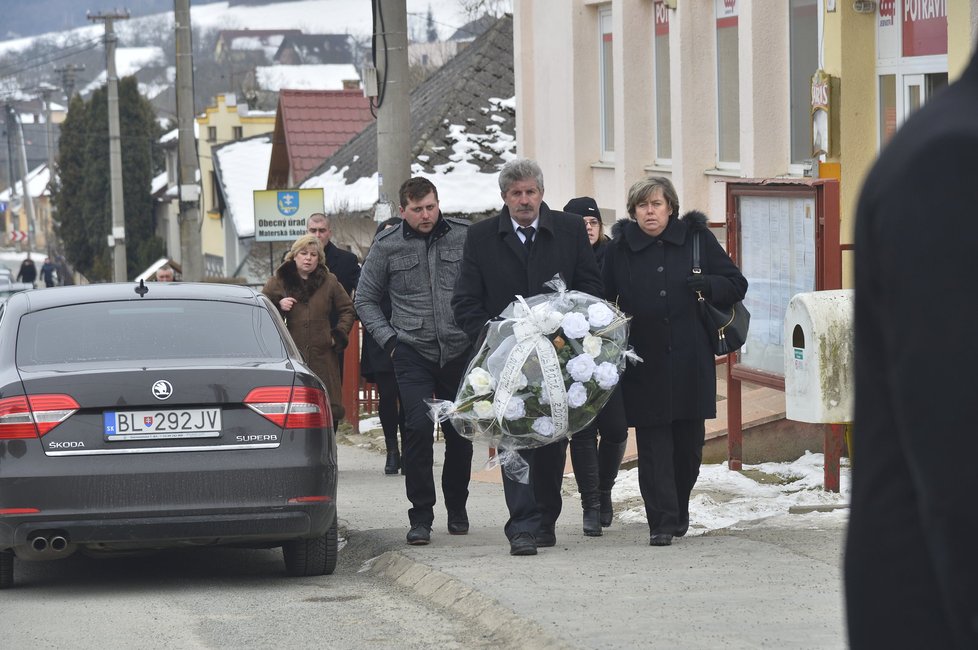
[329, 76]
[37, 184]
[242, 168]
[462, 132]
[128, 61]
[171, 136]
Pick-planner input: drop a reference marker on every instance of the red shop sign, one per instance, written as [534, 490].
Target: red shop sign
[924, 27]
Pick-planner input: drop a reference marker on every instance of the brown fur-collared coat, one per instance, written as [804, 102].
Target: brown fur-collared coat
[309, 322]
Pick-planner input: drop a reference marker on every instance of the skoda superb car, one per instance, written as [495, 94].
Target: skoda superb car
[160, 415]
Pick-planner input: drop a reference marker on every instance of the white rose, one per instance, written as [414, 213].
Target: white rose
[544, 395]
[599, 315]
[606, 374]
[521, 381]
[581, 367]
[544, 426]
[515, 408]
[546, 318]
[575, 325]
[481, 381]
[592, 345]
[482, 409]
[576, 395]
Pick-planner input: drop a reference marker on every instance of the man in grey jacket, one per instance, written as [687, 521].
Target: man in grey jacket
[417, 263]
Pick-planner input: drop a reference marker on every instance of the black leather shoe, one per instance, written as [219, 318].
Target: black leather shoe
[458, 522]
[660, 539]
[607, 508]
[419, 535]
[393, 462]
[523, 544]
[546, 537]
[592, 522]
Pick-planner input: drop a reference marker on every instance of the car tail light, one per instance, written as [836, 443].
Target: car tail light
[291, 408]
[16, 420]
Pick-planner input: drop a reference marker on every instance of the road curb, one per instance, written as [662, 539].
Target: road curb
[503, 625]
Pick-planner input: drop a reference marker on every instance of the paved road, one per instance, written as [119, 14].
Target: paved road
[754, 588]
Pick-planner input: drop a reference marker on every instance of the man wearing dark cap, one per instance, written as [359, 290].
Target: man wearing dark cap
[596, 466]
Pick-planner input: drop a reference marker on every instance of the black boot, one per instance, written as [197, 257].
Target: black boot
[584, 457]
[393, 462]
[610, 455]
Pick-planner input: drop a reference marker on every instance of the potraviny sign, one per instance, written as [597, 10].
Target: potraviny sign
[280, 215]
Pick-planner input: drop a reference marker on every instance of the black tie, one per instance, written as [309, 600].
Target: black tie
[528, 236]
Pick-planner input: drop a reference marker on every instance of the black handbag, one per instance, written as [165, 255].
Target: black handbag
[727, 327]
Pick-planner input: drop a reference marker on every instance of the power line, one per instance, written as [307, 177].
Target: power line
[12, 70]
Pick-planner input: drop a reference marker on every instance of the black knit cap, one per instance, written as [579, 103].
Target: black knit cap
[584, 206]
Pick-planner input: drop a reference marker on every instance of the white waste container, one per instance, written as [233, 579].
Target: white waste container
[818, 340]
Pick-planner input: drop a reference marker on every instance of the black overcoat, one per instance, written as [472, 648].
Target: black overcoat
[496, 267]
[647, 277]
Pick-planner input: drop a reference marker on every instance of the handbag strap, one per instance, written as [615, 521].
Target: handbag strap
[696, 261]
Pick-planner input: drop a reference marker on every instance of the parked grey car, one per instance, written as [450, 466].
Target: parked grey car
[140, 417]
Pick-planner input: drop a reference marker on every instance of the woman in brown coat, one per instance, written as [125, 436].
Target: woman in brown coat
[306, 293]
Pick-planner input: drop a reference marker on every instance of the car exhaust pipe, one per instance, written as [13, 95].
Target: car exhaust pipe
[59, 544]
[39, 544]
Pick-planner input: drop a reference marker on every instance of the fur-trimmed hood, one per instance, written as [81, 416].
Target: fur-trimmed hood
[295, 286]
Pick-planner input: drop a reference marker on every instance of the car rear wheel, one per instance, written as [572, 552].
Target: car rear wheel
[6, 569]
[312, 557]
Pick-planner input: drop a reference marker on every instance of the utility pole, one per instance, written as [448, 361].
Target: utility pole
[392, 102]
[191, 254]
[118, 237]
[18, 132]
[68, 79]
[46, 90]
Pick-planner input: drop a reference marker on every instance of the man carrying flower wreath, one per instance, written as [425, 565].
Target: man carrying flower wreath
[416, 263]
[513, 254]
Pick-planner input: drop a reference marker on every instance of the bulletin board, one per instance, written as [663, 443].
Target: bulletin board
[784, 236]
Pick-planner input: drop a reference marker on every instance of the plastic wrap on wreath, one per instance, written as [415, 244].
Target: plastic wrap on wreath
[543, 372]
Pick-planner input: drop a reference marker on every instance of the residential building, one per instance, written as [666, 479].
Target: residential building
[224, 121]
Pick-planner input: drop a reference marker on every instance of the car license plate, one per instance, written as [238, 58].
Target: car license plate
[155, 425]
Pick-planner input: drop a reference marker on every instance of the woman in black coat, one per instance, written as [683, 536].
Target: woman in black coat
[376, 367]
[668, 397]
[596, 463]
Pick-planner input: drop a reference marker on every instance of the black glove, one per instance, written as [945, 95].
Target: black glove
[340, 340]
[699, 282]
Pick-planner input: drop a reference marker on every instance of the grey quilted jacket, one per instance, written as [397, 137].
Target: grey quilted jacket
[419, 273]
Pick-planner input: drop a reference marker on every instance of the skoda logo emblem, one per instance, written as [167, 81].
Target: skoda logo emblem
[162, 389]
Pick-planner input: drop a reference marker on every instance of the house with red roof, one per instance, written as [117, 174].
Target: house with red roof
[311, 125]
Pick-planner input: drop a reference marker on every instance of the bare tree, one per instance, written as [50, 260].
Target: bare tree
[476, 8]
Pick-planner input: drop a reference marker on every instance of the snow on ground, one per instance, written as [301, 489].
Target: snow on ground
[723, 499]
[726, 499]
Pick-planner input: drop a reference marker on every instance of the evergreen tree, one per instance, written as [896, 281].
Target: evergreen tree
[84, 196]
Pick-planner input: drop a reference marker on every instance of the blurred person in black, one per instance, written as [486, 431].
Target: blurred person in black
[911, 570]
[516, 253]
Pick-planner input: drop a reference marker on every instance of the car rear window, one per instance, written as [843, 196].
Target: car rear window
[147, 330]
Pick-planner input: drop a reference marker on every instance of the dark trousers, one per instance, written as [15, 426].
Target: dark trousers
[613, 427]
[537, 503]
[419, 379]
[669, 458]
[388, 408]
